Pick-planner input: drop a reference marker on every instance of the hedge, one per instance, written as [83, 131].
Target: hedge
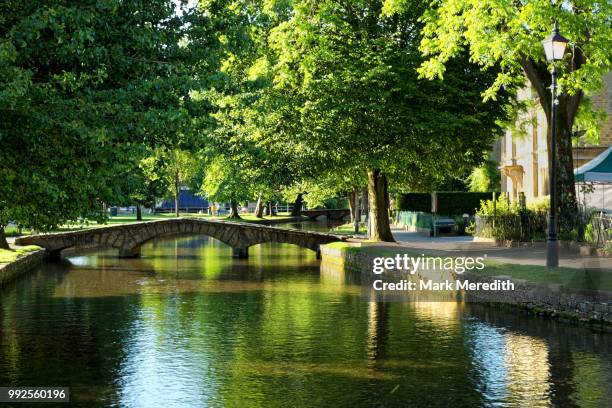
[417, 202]
[449, 202]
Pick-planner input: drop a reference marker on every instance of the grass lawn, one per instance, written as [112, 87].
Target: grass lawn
[592, 279]
[7, 255]
[349, 229]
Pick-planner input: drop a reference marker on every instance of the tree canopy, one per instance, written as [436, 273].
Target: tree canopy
[508, 35]
[352, 98]
[113, 101]
[81, 85]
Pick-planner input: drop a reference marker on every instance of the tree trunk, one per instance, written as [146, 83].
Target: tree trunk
[379, 229]
[364, 203]
[351, 203]
[3, 243]
[177, 192]
[567, 109]
[234, 209]
[357, 212]
[297, 206]
[259, 207]
[138, 212]
[567, 207]
[271, 210]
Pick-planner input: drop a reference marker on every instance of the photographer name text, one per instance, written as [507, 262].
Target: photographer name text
[405, 285]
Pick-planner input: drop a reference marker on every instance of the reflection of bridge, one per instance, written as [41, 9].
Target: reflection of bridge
[128, 238]
[331, 214]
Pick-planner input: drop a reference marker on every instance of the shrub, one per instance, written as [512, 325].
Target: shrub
[539, 205]
[502, 206]
[507, 222]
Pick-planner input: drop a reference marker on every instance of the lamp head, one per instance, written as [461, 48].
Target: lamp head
[554, 45]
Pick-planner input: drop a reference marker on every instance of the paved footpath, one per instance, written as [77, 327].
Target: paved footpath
[523, 256]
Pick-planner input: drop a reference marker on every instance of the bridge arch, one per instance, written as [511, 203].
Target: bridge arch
[131, 248]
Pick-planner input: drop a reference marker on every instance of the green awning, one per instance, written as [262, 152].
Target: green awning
[598, 170]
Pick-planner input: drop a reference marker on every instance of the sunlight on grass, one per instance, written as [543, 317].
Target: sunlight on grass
[7, 255]
[349, 229]
[591, 279]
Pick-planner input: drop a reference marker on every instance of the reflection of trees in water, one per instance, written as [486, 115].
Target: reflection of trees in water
[62, 341]
[378, 331]
[576, 362]
[562, 374]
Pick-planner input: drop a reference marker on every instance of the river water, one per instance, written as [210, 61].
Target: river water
[187, 325]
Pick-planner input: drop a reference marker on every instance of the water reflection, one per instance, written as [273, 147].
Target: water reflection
[186, 325]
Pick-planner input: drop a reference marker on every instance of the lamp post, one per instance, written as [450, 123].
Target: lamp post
[554, 48]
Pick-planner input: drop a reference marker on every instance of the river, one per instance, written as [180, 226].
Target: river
[186, 325]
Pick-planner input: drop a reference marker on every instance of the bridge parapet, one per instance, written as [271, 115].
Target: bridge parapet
[128, 238]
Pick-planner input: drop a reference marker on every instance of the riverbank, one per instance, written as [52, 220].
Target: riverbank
[19, 262]
[573, 295]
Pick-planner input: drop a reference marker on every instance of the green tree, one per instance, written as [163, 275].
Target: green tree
[171, 168]
[227, 181]
[241, 106]
[80, 84]
[346, 75]
[485, 177]
[509, 35]
[147, 184]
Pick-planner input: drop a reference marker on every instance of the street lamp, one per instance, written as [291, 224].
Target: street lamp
[554, 48]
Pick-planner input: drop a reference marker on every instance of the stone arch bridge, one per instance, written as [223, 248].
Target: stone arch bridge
[128, 238]
[330, 213]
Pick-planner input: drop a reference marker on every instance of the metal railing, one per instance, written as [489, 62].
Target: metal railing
[277, 208]
[599, 229]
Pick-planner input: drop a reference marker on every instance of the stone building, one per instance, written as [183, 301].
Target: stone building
[523, 154]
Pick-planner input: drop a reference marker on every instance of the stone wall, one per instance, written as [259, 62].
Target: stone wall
[22, 265]
[551, 300]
